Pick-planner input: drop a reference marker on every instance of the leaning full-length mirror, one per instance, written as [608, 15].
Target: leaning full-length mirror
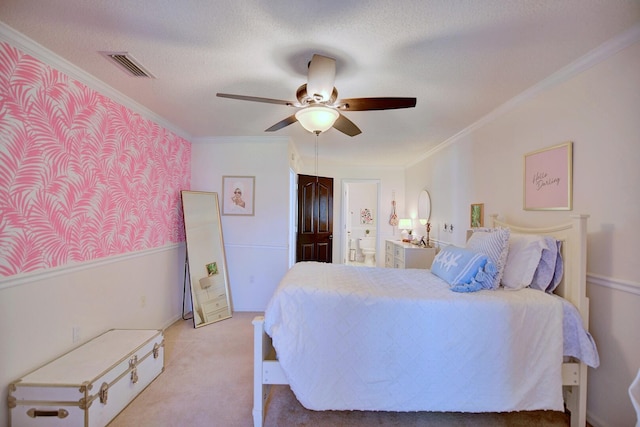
[207, 266]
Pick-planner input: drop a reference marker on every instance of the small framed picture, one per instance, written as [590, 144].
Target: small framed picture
[548, 178]
[238, 195]
[212, 268]
[477, 215]
[366, 217]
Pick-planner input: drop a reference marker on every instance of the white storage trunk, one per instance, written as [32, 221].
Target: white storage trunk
[90, 385]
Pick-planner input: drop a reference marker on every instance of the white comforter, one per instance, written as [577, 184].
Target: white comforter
[400, 340]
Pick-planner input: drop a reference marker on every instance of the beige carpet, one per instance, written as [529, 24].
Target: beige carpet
[208, 381]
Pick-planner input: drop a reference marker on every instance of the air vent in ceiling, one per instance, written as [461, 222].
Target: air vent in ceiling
[128, 64]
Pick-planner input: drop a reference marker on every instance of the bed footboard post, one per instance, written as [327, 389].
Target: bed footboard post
[260, 390]
[578, 296]
[575, 397]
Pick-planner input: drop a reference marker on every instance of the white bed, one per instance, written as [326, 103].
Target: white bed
[364, 371]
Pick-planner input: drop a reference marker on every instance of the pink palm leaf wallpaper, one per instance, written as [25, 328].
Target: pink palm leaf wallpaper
[81, 177]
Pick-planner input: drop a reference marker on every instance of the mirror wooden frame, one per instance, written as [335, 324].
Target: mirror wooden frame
[424, 214]
[424, 206]
[206, 259]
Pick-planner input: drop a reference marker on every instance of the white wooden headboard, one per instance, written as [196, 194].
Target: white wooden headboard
[573, 235]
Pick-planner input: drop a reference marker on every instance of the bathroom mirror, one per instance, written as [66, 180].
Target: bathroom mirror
[207, 266]
[424, 206]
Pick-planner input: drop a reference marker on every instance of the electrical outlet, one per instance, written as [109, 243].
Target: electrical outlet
[143, 301]
[75, 334]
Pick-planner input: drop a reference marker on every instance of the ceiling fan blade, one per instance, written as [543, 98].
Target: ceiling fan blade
[256, 99]
[282, 123]
[321, 77]
[364, 104]
[346, 126]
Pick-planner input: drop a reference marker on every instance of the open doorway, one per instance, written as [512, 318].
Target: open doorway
[360, 214]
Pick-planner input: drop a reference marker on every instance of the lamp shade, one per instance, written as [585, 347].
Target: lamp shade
[317, 119]
[405, 224]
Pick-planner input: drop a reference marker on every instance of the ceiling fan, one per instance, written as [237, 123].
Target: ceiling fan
[319, 108]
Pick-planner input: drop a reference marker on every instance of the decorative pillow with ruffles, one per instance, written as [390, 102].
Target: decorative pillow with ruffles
[493, 243]
[465, 270]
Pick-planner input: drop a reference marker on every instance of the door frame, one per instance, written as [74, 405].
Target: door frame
[344, 213]
[293, 216]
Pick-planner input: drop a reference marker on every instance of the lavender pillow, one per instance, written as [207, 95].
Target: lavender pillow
[544, 273]
[559, 270]
[551, 269]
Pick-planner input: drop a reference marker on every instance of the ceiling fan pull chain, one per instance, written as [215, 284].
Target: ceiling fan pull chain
[317, 133]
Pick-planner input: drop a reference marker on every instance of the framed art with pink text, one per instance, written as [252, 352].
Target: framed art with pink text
[548, 178]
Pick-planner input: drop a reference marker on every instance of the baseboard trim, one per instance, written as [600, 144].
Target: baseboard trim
[20, 279]
[594, 421]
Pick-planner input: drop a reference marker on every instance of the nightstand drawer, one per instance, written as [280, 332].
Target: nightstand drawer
[398, 253]
[389, 247]
[388, 262]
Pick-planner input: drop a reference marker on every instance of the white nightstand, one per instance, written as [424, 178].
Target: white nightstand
[400, 254]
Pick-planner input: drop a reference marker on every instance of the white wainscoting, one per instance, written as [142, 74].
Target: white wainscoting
[39, 311]
[617, 284]
[254, 273]
[50, 273]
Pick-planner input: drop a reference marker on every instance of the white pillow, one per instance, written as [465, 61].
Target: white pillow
[495, 245]
[525, 251]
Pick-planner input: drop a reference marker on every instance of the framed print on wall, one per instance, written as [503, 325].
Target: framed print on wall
[548, 178]
[238, 195]
[477, 215]
[366, 217]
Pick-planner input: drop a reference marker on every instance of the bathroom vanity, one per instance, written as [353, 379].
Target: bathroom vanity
[399, 254]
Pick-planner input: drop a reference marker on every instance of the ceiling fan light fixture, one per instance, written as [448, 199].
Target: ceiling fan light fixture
[317, 119]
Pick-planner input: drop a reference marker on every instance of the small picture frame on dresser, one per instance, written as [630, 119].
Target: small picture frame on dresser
[477, 215]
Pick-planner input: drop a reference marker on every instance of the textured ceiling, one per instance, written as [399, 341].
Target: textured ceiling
[460, 59]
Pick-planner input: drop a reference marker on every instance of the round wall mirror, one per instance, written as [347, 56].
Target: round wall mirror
[424, 205]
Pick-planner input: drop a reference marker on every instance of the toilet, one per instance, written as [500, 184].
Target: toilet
[368, 248]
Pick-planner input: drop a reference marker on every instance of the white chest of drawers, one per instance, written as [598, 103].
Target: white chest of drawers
[399, 254]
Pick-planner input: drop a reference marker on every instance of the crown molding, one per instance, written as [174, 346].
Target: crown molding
[594, 57]
[30, 47]
[241, 139]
